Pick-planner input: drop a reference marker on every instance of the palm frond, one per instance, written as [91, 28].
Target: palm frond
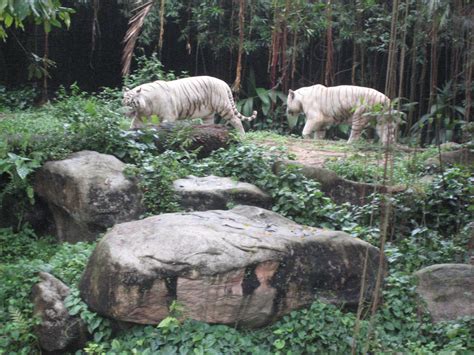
[135, 25]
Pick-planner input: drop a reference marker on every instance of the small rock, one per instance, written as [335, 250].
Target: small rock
[215, 193]
[58, 330]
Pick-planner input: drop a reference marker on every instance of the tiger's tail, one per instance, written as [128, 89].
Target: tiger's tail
[236, 112]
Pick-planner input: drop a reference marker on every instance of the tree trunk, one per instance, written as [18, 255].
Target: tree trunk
[402, 57]
[44, 98]
[162, 27]
[238, 73]
[329, 69]
[390, 83]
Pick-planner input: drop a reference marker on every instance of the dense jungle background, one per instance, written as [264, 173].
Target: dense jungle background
[63, 65]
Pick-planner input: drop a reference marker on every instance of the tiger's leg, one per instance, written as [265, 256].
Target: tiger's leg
[358, 124]
[137, 122]
[314, 123]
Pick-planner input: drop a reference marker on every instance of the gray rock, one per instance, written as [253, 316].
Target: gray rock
[243, 267]
[338, 189]
[214, 193]
[58, 330]
[447, 290]
[87, 193]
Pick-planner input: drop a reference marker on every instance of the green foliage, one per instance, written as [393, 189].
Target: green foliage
[268, 103]
[368, 166]
[443, 121]
[157, 174]
[20, 263]
[24, 244]
[48, 13]
[445, 207]
[19, 99]
[23, 256]
[99, 326]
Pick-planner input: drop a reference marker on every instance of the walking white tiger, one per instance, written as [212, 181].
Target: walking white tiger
[194, 97]
[324, 106]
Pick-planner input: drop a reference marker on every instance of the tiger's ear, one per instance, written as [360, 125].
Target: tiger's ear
[291, 94]
[139, 90]
[125, 89]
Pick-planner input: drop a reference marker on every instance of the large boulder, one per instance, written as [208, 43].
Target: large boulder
[87, 193]
[340, 190]
[243, 267]
[215, 193]
[57, 330]
[447, 290]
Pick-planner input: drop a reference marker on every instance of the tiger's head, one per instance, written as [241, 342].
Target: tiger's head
[294, 107]
[132, 102]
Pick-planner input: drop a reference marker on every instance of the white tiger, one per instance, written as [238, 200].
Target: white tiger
[200, 96]
[324, 106]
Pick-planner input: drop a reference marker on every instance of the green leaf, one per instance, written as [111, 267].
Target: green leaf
[30, 193]
[3, 5]
[247, 107]
[279, 344]
[22, 171]
[263, 95]
[8, 20]
[55, 23]
[75, 310]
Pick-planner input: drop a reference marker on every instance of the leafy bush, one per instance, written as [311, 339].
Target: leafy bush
[17, 99]
[21, 257]
[24, 244]
[444, 207]
[368, 166]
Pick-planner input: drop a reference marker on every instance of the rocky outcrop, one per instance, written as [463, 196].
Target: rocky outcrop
[58, 330]
[243, 267]
[87, 193]
[215, 193]
[447, 290]
[338, 189]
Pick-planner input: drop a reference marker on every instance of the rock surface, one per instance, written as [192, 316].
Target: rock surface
[214, 193]
[337, 188]
[243, 267]
[57, 330]
[87, 193]
[447, 290]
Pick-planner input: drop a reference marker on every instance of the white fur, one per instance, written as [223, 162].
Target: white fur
[324, 106]
[194, 97]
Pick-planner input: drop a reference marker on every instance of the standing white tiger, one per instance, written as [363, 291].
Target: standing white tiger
[194, 97]
[324, 106]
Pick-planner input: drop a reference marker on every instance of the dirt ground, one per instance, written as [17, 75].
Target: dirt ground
[309, 152]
